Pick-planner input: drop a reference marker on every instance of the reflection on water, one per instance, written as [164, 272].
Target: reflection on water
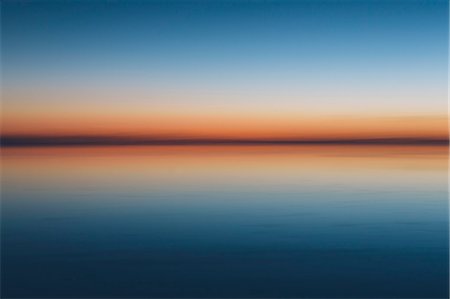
[273, 221]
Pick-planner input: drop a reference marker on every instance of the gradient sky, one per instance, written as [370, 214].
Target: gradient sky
[309, 69]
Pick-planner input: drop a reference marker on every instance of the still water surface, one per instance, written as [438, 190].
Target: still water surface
[212, 221]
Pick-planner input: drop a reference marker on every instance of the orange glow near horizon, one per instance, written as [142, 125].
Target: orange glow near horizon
[193, 114]
[225, 126]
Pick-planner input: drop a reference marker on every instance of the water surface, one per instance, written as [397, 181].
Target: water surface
[225, 221]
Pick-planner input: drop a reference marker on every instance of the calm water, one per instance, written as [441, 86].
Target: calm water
[304, 221]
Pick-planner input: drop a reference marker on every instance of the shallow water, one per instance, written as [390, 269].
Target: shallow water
[225, 221]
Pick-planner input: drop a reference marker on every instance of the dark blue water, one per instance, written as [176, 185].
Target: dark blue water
[261, 223]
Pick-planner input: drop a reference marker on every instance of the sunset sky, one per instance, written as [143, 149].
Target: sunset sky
[225, 69]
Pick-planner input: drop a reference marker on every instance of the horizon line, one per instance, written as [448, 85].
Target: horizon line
[35, 141]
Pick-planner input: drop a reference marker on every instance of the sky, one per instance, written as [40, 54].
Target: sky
[225, 69]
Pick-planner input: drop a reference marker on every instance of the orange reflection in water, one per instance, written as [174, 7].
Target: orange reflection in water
[224, 167]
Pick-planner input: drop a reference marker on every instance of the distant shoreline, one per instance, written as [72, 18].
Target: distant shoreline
[36, 141]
